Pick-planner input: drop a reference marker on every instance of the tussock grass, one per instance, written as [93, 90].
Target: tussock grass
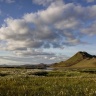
[47, 86]
[55, 83]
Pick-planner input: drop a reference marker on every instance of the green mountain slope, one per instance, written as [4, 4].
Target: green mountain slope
[80, 59]
[86, 63]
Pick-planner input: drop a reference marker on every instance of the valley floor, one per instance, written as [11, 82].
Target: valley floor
[29, 82]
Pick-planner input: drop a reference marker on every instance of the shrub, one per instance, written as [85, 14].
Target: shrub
[40, 73]
[3, 74]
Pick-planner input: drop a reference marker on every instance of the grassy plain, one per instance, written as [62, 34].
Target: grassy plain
[61, 82]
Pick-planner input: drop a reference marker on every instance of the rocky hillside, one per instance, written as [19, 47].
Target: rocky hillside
[80, 59]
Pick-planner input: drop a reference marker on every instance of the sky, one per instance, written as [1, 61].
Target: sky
[46, 31]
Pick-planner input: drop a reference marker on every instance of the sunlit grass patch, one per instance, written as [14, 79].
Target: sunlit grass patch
[51, 83]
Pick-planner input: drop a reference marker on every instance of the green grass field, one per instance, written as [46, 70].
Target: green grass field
[29, 82]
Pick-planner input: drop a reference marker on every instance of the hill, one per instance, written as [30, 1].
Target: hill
[26, 66]
[79, 60]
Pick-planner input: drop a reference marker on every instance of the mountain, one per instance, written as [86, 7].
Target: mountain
[38, 66]
[79, 60]
[26, 66]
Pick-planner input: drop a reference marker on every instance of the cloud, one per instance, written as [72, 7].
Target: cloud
[45, 2]
[8, 1]
[0, 12]
[56, 26]
[89, 1]
[37, 59]
[4, 61]
[90, 30]
[32, 52]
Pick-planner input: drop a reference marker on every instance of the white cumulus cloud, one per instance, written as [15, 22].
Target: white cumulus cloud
[56, 26]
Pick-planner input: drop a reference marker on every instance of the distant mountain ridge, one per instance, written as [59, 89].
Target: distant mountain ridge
[80, 59]
[26, 66]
